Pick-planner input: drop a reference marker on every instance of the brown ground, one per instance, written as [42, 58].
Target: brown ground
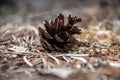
[23, 58]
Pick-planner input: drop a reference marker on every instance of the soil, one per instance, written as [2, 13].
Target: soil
[22, 56]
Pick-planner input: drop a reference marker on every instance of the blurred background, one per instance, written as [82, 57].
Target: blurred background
[35, 11]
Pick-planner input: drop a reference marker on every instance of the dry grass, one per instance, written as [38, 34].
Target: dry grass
[21, 52]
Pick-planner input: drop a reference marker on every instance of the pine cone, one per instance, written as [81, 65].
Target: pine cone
[57, 36]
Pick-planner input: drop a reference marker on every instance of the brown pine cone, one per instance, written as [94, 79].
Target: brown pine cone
[57, 36]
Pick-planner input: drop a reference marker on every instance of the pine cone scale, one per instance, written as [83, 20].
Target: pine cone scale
[57, 38]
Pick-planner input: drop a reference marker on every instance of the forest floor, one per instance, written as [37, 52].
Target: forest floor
[23, 58]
